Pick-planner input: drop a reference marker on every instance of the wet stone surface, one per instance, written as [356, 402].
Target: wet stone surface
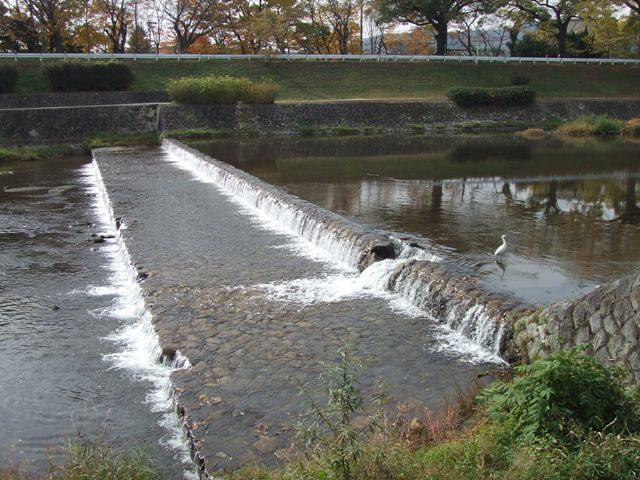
[208, 263]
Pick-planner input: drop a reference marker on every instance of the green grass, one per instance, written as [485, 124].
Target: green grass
[346, 80]
[88, 460]
[35, 152]
[120, 139]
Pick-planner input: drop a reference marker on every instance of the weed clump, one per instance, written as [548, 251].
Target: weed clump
[599, 125]
[632, 127]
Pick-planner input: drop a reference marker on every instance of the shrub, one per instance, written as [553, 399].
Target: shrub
[632, 127]
[8, 77]
[87, 77]
[216, 90]
[560, 394]
[492, 97]
[594, 125]
[519, 79]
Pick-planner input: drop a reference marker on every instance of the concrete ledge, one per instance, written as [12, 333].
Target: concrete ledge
[73, 99]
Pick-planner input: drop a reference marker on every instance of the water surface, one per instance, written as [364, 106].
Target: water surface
[61, 304]
[566, 207]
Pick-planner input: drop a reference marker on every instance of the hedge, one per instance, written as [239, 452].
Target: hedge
[220, 90]
[87, 77]
[492, 97]
[8, 77]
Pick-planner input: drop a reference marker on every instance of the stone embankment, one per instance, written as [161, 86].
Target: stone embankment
[288, 118]
[74, 116]
[605, 321]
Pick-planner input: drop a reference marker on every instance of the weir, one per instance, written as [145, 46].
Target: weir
[255, 307]
[411, 268]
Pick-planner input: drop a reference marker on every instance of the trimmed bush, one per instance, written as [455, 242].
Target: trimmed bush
[8, 77]
[492, 97]
[216, 90]
[87, 77]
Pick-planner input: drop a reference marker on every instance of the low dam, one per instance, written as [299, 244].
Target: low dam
[254, 301]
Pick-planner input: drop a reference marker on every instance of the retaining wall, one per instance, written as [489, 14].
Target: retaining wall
[388, 115]
[606, 321]
[28, 120]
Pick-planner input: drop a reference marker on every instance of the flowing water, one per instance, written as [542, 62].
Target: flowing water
[562, 204]
[76, 354]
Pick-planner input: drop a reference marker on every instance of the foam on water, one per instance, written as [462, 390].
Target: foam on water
[473, 335]
[140, 351]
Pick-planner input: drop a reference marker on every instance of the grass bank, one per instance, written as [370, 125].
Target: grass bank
[34, 153]
[384, 80]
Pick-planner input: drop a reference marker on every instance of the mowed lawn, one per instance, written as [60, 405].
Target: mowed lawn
[316, 80]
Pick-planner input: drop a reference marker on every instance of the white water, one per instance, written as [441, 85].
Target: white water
[468, 330]
[139, 346]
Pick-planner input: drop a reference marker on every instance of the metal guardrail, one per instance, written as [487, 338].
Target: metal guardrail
[320, 57]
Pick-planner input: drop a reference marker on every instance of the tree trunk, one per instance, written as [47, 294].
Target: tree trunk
[441, 38]
[562, 38]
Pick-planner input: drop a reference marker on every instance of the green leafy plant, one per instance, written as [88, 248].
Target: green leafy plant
[87, 77]
[8, 78]
[563, 392]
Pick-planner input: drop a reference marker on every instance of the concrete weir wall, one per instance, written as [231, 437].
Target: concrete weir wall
[606, 321]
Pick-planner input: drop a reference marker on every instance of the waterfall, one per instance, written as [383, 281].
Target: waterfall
[411, 270]
[141, 353]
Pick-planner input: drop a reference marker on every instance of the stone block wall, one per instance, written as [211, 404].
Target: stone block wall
[288, 117]
[606, 320]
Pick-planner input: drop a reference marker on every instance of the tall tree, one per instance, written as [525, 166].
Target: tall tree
[190, 20]
[116, 17]
[556, 13]
[341, 15]
[438, 14]
[53, 18]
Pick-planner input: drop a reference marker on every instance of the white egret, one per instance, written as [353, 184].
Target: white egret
[502, 248]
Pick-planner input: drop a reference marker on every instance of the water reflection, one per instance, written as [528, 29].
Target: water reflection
[571, 209]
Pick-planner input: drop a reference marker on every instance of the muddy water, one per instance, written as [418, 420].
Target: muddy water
[64, 367]
[255, 309]
[564, 205]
